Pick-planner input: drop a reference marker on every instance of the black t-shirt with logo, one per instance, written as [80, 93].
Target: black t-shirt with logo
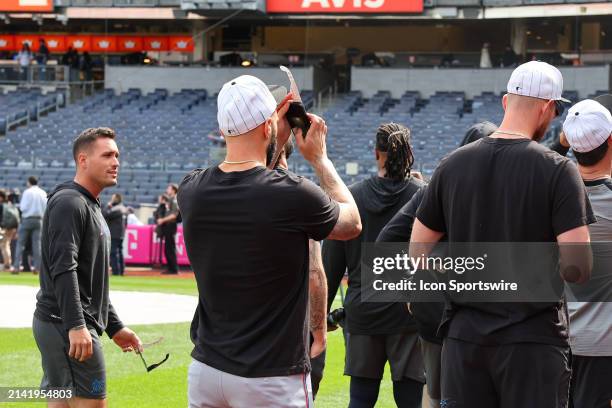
[246, 234]
[506, 190]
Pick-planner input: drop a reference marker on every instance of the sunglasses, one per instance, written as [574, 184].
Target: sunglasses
[152, 367]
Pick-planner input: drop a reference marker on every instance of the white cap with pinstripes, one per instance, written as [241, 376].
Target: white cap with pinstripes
[587, 126]
[537, 79]
[243, 104]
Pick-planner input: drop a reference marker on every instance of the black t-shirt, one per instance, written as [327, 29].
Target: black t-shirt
[246, 234]
[378, 200]
[506, 190]
[427, 315]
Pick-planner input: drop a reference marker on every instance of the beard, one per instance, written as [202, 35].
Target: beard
[271, 148]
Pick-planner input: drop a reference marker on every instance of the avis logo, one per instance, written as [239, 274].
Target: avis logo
[181, 44]
[53, 43]
[341, 3]
[104, 44]
[78, 44]
[129, 44]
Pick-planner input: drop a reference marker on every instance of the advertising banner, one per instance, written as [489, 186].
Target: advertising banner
[80, 43]
[142, 247]
[129, 44]
[55, 43]
[30, 39]
[26, 5]
[345, 6]
[7, 42]
[59, 43]
[155, 43]
[181, 43]
[103, 43]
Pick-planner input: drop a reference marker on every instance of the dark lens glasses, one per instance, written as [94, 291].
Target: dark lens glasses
[152, 366]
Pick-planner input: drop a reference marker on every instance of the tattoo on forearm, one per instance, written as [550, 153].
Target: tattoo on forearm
[318, 300]
[318, 289]
[328, 181]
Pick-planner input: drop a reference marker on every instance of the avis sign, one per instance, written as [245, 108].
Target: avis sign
[345, 6]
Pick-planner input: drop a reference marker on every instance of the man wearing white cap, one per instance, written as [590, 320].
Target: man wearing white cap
[505, 188]
[588, 130]
[246, 231]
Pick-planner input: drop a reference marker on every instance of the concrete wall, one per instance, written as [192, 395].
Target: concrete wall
[585, 80]
[121, 78]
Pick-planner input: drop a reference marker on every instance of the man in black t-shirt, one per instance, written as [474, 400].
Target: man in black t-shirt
[508, 188]
[246, 232]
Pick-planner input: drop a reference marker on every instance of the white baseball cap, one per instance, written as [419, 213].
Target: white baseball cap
[587, 126]
[243, 104]
[538, 80]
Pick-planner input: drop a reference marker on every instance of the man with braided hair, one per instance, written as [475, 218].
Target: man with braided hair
[378, 332]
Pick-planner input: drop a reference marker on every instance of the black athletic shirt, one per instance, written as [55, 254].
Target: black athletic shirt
[246, 234]
[75, 248]
[378, 199]
[426, 315]
[506, 190]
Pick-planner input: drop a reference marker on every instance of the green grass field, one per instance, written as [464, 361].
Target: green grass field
[128, 383]
[129, 283]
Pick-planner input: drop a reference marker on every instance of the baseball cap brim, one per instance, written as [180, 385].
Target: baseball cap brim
[279, 92]
[560, 99]
[605, 100]
[562, 106]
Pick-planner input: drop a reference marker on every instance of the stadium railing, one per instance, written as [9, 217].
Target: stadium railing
[11, 72]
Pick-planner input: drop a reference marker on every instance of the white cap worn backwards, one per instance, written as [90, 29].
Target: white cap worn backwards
[243, 104]
[587, 126]
[537, 79]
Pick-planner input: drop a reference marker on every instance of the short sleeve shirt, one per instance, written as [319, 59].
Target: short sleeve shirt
[246, 235]
[506, 190]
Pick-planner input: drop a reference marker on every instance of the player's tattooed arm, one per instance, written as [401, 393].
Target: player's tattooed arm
[313, 149]
[318, 299]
